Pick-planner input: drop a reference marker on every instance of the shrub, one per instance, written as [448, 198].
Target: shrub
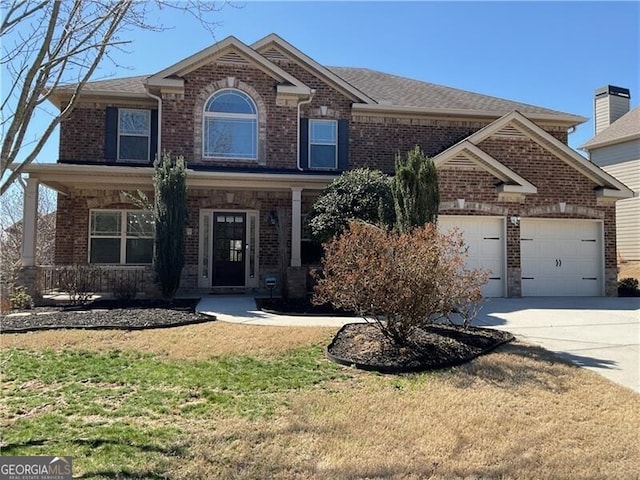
[170, 212]
[416, 196]
[629, 287]
[125, 288]
[79, 282]
[403, 281]
[360, 194]
[20, 299]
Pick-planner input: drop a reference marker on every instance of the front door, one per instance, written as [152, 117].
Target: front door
[229, 237]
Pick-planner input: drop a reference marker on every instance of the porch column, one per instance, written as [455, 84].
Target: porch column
[30, 223]
[296, 225]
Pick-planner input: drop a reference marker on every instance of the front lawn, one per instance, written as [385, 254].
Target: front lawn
[231, 401]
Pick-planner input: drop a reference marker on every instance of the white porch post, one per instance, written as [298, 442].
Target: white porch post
[296, 226]
[30, 223]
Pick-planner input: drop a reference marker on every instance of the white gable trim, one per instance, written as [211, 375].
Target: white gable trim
[488, 163]
[306, 61]
[205, 56]
[555, 146]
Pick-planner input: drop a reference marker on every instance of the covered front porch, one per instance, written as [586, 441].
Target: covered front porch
[243, 228]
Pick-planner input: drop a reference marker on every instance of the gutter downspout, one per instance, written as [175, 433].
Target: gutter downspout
[159, 100]
[303, 102]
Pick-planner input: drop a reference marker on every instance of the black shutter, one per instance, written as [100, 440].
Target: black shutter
[304, 143]
[343, 145]
[111, 134]
[153, 147]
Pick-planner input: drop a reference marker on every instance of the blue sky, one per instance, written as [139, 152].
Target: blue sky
[552, 54]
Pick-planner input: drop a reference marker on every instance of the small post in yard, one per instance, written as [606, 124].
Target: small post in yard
[270, 283]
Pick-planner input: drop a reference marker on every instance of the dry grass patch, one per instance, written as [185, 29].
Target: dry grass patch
[519, 413]
[193, 342]
[629, 269]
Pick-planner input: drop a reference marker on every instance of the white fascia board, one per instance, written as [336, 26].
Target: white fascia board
[614, 194]
[525, 189]
[304, 59]
[293, 90]
[563, 120]
[109, 175]
[487, 162]
[195, 61]
[593, 146]
[177, 83]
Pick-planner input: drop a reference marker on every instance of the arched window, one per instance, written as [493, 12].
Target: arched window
[230, 126]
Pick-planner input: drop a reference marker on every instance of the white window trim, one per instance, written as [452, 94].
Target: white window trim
[250, 281]
[120, 110]
[122, 237]
[236, 116]
[334, 144]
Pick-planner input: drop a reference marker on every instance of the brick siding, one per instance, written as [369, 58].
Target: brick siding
[374, 142]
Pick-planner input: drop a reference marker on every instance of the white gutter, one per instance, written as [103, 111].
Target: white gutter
[159, 145]
[303, 102]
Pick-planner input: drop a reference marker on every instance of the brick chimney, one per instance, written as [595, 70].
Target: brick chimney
[610, 103]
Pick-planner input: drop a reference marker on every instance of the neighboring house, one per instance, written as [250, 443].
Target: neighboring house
[264, 128]
[616, 148]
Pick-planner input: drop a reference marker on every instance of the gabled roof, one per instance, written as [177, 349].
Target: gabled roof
[271, 40]
[205, 56]
[393, 92]
[371, 91]
[466, 152]
[610, 187]
[624, 129]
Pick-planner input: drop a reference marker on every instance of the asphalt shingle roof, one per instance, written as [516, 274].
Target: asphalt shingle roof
[388, 89]
[116, 85]
[625, 126]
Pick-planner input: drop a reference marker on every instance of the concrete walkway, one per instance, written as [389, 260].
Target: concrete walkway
[242, 309]
[599, 333]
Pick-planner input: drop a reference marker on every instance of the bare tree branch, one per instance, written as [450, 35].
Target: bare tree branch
[50, 44]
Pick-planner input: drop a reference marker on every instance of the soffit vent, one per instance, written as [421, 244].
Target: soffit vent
[275, 55]
[461, 161]
[232, 58]
[509, 131]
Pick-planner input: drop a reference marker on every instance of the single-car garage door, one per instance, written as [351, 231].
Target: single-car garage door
[561, 257]
[485, 238]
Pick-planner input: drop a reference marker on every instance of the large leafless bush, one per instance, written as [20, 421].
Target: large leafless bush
[402, 282]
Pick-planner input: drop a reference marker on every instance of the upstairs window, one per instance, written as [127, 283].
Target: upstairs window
[121, 237]
[323, 144]
[134, 134]
[230, 127]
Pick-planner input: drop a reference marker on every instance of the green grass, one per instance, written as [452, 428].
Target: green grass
[126, 409]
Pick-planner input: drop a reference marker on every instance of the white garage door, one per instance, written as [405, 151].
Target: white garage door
[561, 257]
[485, 238]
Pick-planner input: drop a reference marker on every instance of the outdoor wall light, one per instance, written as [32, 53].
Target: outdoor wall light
[273, 217]
[515, 219]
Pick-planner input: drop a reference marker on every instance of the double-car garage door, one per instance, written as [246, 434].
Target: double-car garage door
[558, 257]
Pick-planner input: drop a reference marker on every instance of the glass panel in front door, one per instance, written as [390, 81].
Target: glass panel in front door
[229, 234]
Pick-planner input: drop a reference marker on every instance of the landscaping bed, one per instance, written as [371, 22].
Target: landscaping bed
[299, 306]
[363, 346]
[106, 314]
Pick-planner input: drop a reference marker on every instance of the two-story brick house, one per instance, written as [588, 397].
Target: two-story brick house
[264, 128]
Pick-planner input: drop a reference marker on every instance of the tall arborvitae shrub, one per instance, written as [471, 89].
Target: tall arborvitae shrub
[415, 191]
[170, 215]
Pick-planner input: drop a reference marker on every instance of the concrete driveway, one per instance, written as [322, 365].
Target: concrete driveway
[598, 333]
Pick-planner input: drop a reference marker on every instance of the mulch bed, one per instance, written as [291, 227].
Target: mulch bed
[106, 314]
[363, 346]
[299, 306]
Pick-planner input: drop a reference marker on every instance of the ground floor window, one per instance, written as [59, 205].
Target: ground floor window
[121, 236]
